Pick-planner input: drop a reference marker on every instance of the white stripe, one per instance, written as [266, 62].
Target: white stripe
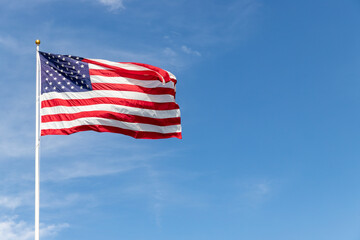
[130, 81]
[171, 75]
[127, 66]
[97, 67]
[113, 123]
[104, 93]
[159, 114]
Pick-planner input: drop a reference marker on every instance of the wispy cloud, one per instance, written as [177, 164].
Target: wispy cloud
[8, 42]
[220, 25]
[98, 164]
[10, 202]
[16, 133]
[51, 200]
[12, 229]
[113, 4]
[14, 45]
[188, 50]
[83, 169]
[161, 191]
[254, 192]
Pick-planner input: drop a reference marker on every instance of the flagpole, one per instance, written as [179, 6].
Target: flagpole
[37, 145]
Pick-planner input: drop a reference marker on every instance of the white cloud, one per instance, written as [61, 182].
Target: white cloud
[16, 134]
[14, 45]
[169, 52]
[256, 191]
[113, 4]
[83, 169]
[51, 200]
[11, 229]
[189, 51]
[52, 230]
[95, 167]
[10, 202]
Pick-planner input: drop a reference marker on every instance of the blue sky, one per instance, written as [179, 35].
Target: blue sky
[269, 96]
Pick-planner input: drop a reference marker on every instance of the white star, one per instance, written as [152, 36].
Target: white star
[47, 71]
[55, 78]
[81, 87]
[73, 67]
[77, 58]
[76, 77]
[62, 87]
[64, 78]
[59, 74]
[59, 82]
[78, 71]
[59, 56]
[46, 88]
[70, 56]
[51, 74]
[72, 87]
[50, 83]
[63, 59]
[62, 65]
[77, 62]
[82, 82]
[47, 62]
[54, 88]
[83, 76]
[46, 79]
[68, 83]
[68, 63]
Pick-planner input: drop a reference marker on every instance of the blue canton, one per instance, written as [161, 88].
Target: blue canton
[64, 73]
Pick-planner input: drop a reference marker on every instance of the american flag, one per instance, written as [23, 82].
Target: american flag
[79, 94]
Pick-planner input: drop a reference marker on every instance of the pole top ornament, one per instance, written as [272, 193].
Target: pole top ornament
[37, 41]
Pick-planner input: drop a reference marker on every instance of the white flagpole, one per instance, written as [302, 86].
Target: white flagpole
[37, 145]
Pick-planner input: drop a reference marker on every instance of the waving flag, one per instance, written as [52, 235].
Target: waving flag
[79, 94]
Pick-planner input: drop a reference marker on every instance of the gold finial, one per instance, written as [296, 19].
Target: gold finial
[37, 42]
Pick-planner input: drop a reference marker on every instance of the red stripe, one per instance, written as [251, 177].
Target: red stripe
[105, 100]
[111, 115]
[161, 71]
[154, 72]
[132, 88]
[102, 128]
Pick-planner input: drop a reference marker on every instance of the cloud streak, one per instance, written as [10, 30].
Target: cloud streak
[10, 202]
[11, 229]
[113, 4]
[189, 51]
[85, 170]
